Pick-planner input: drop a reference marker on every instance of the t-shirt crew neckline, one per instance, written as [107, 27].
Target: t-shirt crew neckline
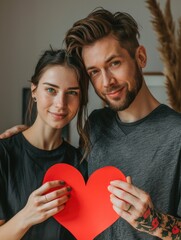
[127, 128]
[140, 120]
[38, 150]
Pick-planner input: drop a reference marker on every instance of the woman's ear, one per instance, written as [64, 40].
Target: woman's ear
[141, 56]
[33, 91]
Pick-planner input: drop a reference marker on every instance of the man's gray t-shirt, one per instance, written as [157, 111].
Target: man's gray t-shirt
[147, 150]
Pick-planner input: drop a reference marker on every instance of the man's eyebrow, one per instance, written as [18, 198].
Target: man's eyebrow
[110, 58]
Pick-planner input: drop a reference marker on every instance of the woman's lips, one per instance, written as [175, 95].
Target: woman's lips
[58, 115]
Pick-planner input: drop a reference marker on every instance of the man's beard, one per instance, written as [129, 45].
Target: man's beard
[130, 95]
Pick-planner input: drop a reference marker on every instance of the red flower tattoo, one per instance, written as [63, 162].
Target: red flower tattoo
[175, 230]
[155, 223]
[147, 213]
[167, 224]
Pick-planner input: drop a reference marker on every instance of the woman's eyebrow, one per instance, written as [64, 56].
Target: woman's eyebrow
[56, 86]
[51, 84]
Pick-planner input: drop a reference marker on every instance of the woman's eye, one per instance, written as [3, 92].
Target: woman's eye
[73, 93]
[51, 90]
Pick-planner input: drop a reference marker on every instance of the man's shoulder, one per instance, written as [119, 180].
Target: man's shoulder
[166, 120]
[99, 120]
[102, 113]
[169, 115]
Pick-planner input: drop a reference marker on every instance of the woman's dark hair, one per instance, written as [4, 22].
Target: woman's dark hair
[61, 57]
[99, 24]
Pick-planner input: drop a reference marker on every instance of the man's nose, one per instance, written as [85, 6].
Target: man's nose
[106, 78]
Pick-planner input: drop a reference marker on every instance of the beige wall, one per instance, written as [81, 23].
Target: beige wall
[27, 27]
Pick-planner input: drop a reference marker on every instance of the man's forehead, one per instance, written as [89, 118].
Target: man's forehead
[101, 51]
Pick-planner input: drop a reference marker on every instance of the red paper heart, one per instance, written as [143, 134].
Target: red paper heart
[89, 211]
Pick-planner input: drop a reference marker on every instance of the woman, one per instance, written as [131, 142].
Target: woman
[59, 90]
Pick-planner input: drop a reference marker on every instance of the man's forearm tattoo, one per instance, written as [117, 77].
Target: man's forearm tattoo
[152, 220]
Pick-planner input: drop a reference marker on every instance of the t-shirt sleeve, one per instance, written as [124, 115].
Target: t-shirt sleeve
[179, 209]
[179, 187]
[3, 183]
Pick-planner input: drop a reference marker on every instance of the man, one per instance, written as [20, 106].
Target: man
[135, 132]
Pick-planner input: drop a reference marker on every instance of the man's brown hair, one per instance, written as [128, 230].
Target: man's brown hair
[99, 24]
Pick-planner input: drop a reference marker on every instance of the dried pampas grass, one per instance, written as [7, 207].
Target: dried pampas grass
[169, 48]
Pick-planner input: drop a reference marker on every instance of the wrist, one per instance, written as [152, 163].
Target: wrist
[23, 221]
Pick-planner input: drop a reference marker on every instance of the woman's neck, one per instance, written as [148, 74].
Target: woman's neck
[43, 137]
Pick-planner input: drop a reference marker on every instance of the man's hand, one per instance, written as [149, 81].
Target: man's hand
[129, 201]
[135, 206]
[12, 131]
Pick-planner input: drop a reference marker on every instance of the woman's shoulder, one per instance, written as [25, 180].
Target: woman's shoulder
[69, 146]
[10, 145]
[11, 142]
[72, 151]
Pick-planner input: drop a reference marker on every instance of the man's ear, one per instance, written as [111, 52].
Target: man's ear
[141, 56]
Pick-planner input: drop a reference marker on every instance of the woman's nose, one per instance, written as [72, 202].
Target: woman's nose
[60, 101]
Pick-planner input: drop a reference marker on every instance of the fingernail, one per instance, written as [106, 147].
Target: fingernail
[69, 189]
[62, 183]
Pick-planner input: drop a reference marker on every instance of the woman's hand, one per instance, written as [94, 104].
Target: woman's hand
[42, 205]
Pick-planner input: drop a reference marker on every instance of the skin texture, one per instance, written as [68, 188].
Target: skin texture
[57, 97]
[110, 73]
[57, 103]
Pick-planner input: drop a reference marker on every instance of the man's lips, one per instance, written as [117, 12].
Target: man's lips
[115, 93]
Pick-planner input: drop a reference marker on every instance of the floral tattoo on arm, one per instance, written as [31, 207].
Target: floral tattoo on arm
[167, 225]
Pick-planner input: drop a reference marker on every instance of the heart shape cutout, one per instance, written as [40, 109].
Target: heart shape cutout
[89, 211]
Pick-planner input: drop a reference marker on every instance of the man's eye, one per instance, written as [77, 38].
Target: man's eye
[115, 63]
[93, 73]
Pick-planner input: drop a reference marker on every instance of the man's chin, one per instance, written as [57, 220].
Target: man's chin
[115, 105]
[118, 106]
